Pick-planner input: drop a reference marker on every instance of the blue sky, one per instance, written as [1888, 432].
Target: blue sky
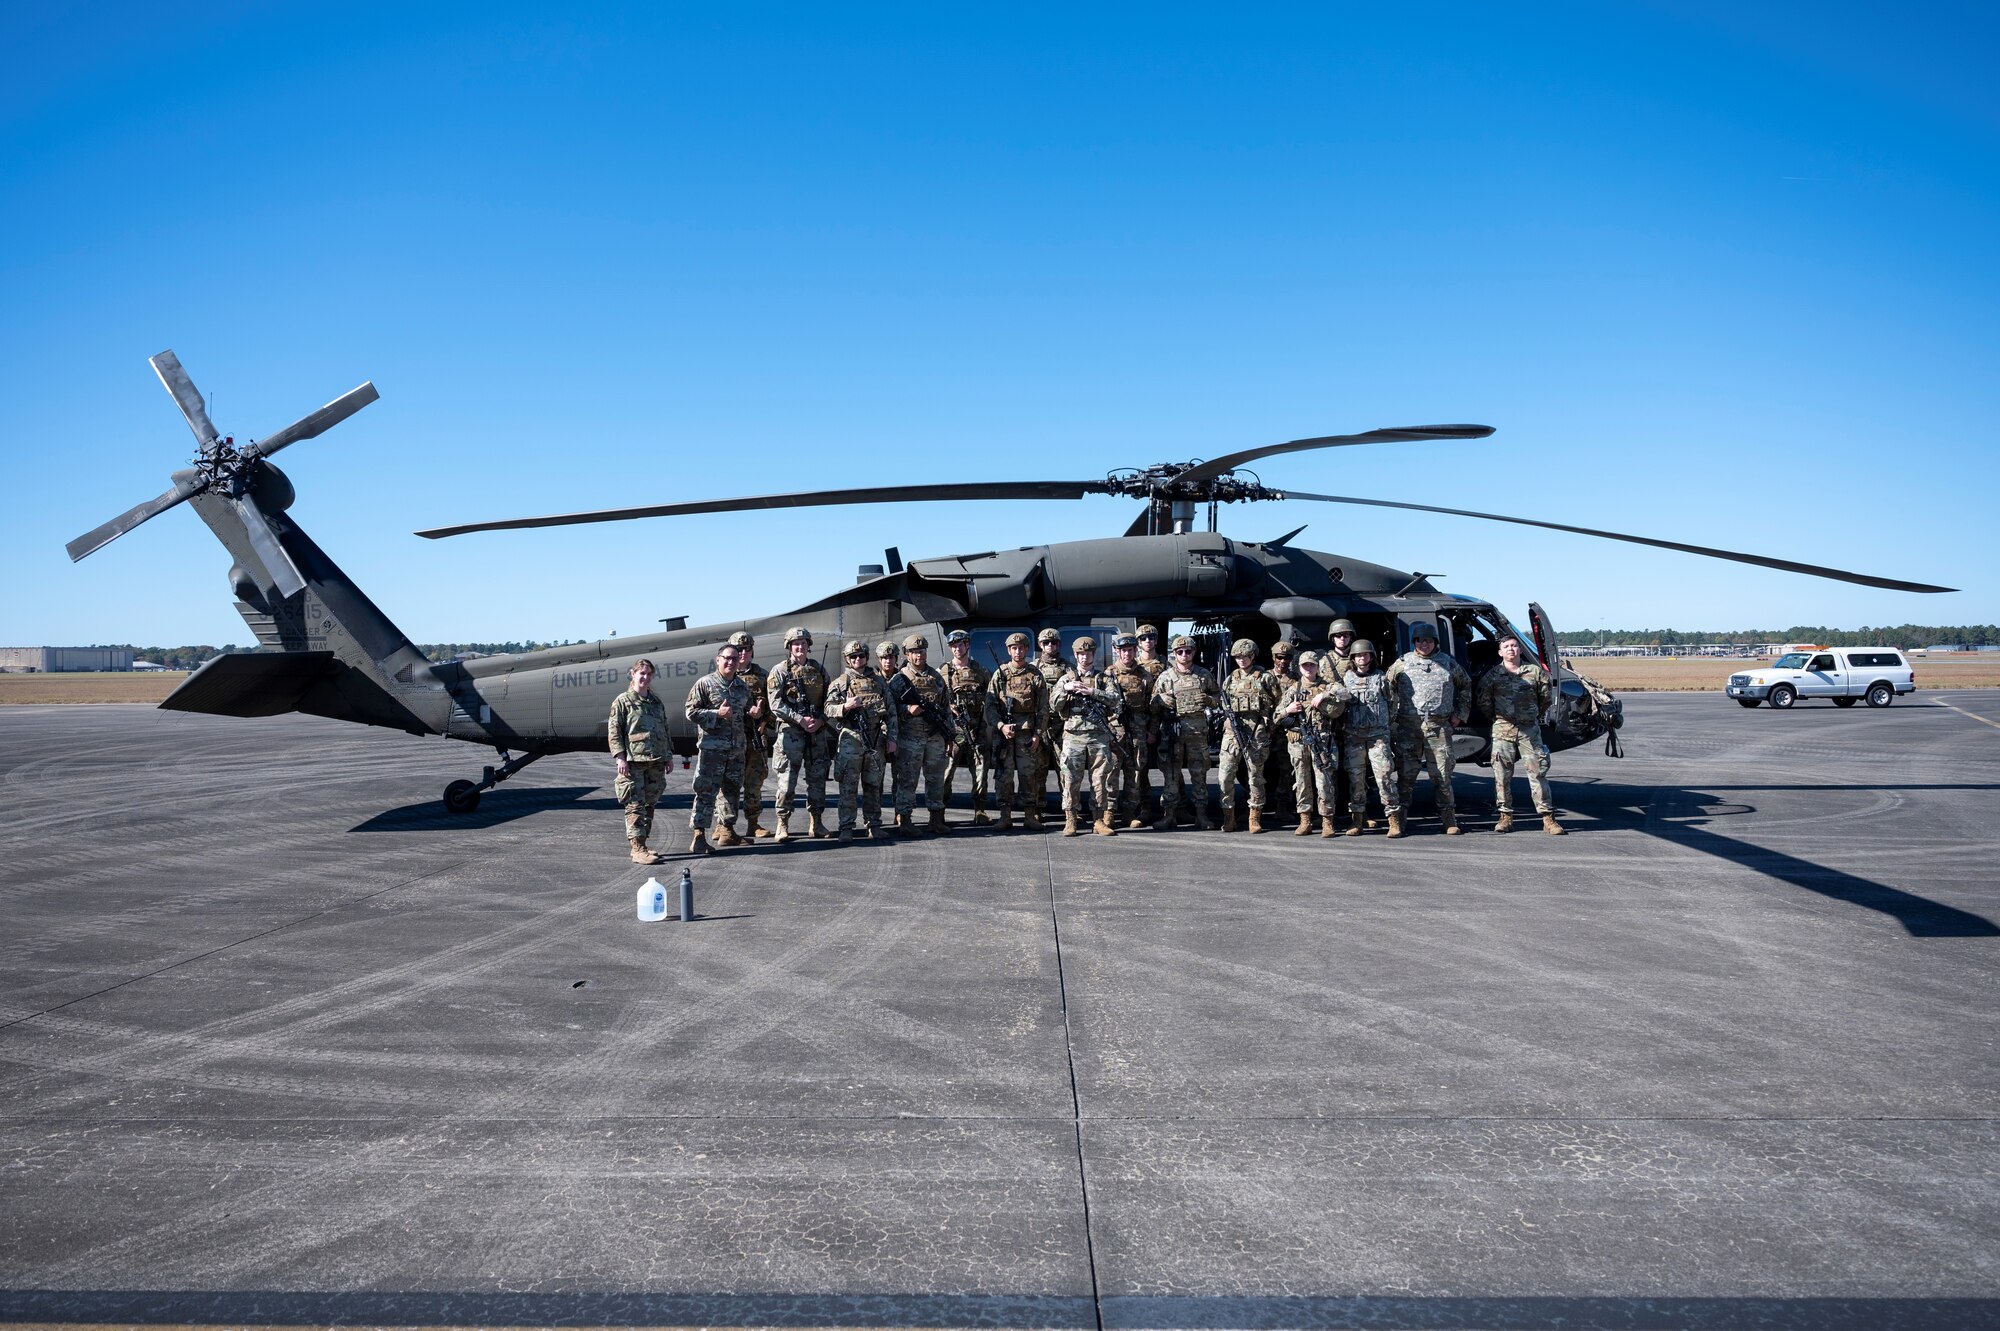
[1715, 277]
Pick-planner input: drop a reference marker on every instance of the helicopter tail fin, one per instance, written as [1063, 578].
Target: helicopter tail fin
[327, 649]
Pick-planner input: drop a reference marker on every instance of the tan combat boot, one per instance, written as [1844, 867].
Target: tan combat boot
[1551, 826]
[1305, 827]
[1103, 826]
[1326, 826]
[1451, 827]
[1256, 820]
[698, 844]
[1353, 828]
[1395, 826]
[815, 825]
[938, 827]
[1069, 822]
[753, 830]
[1229, 819]
[784, 828]
[725, 837]
[640, 855]
[1506, 823]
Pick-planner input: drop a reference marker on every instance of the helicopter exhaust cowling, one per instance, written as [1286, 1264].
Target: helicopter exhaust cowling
[1014, 583]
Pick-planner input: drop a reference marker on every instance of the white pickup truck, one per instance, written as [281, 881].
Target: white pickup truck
[1845, 675]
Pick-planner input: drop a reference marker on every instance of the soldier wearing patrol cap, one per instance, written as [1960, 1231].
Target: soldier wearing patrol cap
[796, 692]
[857, 705]
[1250, 696]
[1017, 711]
[1049, 660]
[1433, 697]
[758, 734]
[1310, 713]
[1085, 700]
[1132, 725]
[923, 734]
[971, 746]
[1182, 696]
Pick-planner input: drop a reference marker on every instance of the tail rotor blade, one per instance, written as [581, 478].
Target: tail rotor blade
[186, 484]
[306, 427]
[1763, 561]
[270, 551]
[168, 367]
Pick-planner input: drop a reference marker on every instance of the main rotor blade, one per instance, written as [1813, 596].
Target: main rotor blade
[270, 551]
[1214, 467]
[307, 427]
[168, 367]
[186, 484]
[1811, 570]
[882, 494]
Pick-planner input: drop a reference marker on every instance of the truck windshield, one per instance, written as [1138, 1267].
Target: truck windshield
[1791, 661]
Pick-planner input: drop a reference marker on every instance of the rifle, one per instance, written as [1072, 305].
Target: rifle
[928, 708]
[1230, 718]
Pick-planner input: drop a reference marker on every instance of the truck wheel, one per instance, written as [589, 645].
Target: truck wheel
[1845, 702]
[1880, 694]
[1783, 696]
[1748, 702]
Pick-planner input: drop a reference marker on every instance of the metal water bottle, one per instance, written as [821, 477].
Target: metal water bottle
[687, 895]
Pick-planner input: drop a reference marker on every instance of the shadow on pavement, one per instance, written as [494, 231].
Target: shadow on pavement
[495, 807]
[864, 1309]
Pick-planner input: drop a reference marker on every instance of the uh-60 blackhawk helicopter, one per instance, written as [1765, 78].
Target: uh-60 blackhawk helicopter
[326, 650]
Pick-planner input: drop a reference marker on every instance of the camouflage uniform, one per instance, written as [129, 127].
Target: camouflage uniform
[638, 734]
[921, 743]
[758, 736]
[1313, 736]
[972, 746]
[1516, 702]
[1086, 703]
[1151, 760]
[718, 769]
[1252, 695]
[1433, 694]
[1371, 714]
[796, 693]
[860, 738]
[1134, 728]
[1017, 695]
[1181, 700]
[888, 660]
[1053, 669]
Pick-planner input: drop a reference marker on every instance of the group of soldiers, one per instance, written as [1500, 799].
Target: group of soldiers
[1103, 728]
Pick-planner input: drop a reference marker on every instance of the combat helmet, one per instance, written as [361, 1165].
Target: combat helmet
[1048, 635]
[1084, 643]
[885, 648]
[1122, 639]
[1340, 626]
[1243, 647]
[1181, 640]
[957, 635]
[793, 635]
[916, 642]
[1018, 640]
[1423, 630]
[1361, 647]
[741, 639]
[854, 647]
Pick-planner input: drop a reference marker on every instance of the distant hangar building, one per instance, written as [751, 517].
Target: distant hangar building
[54, 659]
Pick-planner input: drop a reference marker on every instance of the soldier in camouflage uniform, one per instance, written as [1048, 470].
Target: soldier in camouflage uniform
[717, 705]
[1182, 696]
[1017, 711]
[923, 735]
[1086, 701]
[1371, 715]
[638, 734]
[971, 745]
[1250, 696]
[1433, 697]
[1279, 774]
[1338, 657]
[796, 690]
[1132, 727]
[1153, 663]
[1049, 660]
[1310, 713]
[857, 706]
[1515, 694]
[758, 734]
[888, 660]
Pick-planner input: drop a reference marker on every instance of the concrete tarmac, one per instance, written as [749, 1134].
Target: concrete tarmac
[281, 1042]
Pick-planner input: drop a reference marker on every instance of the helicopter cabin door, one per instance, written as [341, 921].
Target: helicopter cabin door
[1546, 645]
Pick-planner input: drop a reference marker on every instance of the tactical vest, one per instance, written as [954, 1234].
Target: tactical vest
[928, 685]
[866, 724]
[1132, 681]
[1016, 684]
[802, 689]
[1082, 713]
[968, 686]
[1367, 706]
[1250, 695]
[1426, 686]
[755, 677]
[1185, 694]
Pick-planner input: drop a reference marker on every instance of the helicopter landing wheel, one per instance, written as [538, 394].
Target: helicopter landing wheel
[1784, 696]
[461, 797]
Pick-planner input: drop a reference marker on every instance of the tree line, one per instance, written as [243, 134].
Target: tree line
[1900, 635]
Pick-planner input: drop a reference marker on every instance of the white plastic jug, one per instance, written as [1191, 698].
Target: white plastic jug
[653, 900]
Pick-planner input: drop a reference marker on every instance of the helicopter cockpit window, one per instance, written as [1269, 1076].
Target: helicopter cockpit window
[1472, 636]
